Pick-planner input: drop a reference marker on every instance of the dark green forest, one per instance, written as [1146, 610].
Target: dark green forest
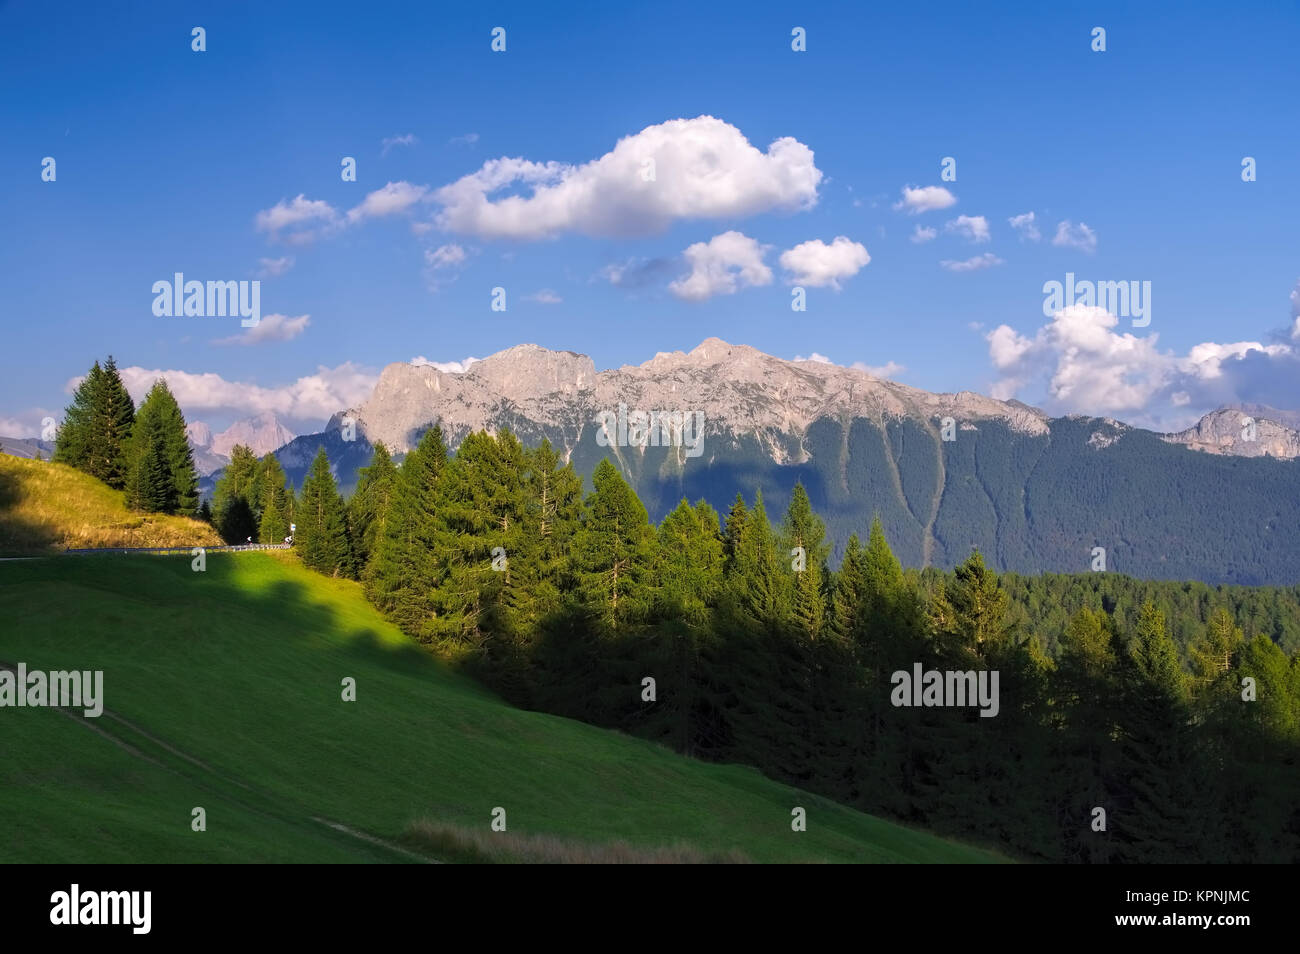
[1139, 721]
[1029, 503]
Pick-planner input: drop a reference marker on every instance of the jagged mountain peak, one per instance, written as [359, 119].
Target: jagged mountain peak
[737, 388]
[1230, 430]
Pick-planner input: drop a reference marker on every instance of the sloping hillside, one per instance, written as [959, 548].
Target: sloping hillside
[47, 507]
[223, 690]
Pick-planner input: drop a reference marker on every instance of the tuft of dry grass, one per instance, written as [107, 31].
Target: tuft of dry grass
[47, 507]
[457, 843]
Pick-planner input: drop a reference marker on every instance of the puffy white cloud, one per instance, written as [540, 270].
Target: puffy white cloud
[392, 199]
[274, 267]
[448, 367]
[544, 296]
[1078, 236]
[987, 260]
[916, 200]
[923, 233]
[269, 328]
[818, 265]
[722, 265]
[1088, 367]
[391, 141]
[299, 221]
[973, 228]
[703, 168]
[312, 398]
[1026, 226]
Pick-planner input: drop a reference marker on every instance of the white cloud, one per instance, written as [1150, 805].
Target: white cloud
[704, 168]
[923, 233]
[388, 143]
[274, 267]
[987, 260]
[394, 198]
[311, 398]
[722, 265]
[973, 228]
[1075, 236]
[1025, 226]
[887, 370]
[1088, 367]
[1295, 313]
[544, 296]
[445, 256]
[924, 199]
[294, 218]
[448, 367]
[817, 264]
[466, 140]
[28, 423]
[269, 328]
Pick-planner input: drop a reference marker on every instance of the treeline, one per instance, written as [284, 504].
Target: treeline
[1048, 602]
[144, 451]
[728, 637]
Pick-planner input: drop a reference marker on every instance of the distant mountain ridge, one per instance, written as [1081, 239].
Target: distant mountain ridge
[262, 433]
[945, 472]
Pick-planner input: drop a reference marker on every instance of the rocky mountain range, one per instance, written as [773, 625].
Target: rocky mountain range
[262, 433]
[944, 472]
[1242, 433]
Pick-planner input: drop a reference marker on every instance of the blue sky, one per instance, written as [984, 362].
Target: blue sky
[166, 156]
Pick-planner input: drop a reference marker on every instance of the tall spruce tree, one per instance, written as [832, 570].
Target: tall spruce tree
[404, 572]
[483, 525]
[803, 537]
[97, 426]
[115, 415]
[553, 495]
[368, 508]
[159, 442]
[613, 551]
[271, 497]
[321, 537]
[233, 513]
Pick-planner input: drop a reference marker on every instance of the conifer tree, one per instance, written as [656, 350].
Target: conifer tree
[269, 502]
[114, 417]
[74, 442]
[553, 496]
[755, 581]
[232, 498]
[482, 519]
[321, 538]
[803, 538]
[973, 619]
[1161, 772]
[368, 508]
[159, 441]
[1212, 654]
[613, 551]
[404, 573]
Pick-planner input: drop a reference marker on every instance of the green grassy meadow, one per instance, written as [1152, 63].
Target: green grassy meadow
[222, 689]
